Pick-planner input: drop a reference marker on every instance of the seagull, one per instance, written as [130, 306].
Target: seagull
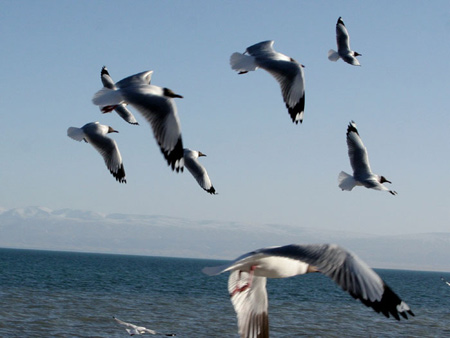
[138, 330]
[359, 159]
[287, 71]
[197, 170]
[343, 44]
[248, 273]
[448, 283]
[120, 109]
[156, 105]
[95, 134]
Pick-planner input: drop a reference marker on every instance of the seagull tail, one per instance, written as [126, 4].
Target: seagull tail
[107, 97]
[346, 181]
[242, 63]
[333, 55]
[75, 133]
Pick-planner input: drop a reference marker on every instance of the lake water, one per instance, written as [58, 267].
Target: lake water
[65, 294]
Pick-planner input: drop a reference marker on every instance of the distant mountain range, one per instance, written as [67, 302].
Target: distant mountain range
[88, 231]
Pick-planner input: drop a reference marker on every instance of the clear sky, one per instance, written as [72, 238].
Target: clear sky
[265, 168]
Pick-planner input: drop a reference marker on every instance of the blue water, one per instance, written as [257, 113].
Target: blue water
[62, 294]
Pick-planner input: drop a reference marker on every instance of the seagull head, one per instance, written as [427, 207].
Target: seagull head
[112, 130]
[169, 93]
[383, 179]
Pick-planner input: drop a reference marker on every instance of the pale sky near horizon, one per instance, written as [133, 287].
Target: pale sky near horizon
[265, 168]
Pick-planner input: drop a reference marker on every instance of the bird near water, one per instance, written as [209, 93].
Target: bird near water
[156, 105]
[344, 51]
[139, 330]
[288, 72]
[249, 273]
[95, 134]
[359, 160]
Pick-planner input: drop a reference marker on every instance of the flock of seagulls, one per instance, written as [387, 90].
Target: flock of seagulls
[248, 273]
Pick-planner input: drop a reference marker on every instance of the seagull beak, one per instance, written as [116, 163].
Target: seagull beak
[303, 66]
[111, 130]
[201, 154]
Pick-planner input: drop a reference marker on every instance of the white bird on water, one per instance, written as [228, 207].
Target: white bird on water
[359, 159]
[156, 105]
[343, 44]
[120, 109]
[198, 170]
[138, 330]
[95, 134]
[287, 71]
[248, 274]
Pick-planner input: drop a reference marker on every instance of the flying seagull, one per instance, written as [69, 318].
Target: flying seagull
[343, 44]
[248, 273]
[138, 330]
[287, 71]
[359, 159]
[446, 282]
[197, 170]
[156, 105]
[120, 109]
[95, 134]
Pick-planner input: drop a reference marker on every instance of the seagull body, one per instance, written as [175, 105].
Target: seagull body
[95, 134]
[343, 44]
[359, 159]
[156, 105]
[120, 109]
[287, 71]
[248, 274]
[197, 170]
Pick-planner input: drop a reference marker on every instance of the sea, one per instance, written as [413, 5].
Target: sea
[68, 294]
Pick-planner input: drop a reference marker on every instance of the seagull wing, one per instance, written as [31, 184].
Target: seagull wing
[342, 37]
[125, 113]
[350, 273]
[162, 115]
[198, 171]
[288, 73]
[125, 323]
[251, 304]
[357, 153]
[107, 147]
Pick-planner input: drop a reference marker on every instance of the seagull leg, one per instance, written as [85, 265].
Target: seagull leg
[247, 285]
[108, 109]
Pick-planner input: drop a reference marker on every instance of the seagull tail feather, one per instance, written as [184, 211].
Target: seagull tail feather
[242, 63]
[333, 55]
[75, 133]
[346, 181]
[107, 97]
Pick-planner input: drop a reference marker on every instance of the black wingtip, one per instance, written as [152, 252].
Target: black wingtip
[174, 157]
[119, 175]
[352, 128]
[298, 109]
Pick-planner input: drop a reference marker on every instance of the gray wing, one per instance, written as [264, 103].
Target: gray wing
[161, 113]
[199, 172]
[107, 147]
[290, 76]
[124, 113]
[342, 37]
[121, 109]
[262, 49]
[251, 304]
[143, 78]
[124, 323]
[350, 273]
[357, 153]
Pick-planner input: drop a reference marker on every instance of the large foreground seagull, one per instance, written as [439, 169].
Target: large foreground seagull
[156, 105]
[287, 71]
[95, 134]
[248, 274]
[359, 159]
[343, 44]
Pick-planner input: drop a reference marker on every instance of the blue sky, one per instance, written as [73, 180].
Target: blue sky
[265, 168]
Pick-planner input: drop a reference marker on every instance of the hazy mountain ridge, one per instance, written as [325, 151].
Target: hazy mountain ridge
[156, 235]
